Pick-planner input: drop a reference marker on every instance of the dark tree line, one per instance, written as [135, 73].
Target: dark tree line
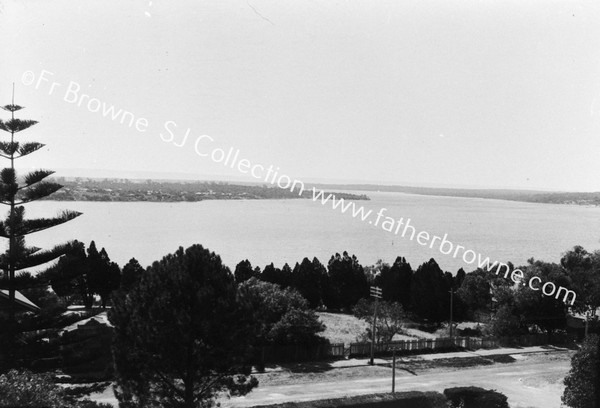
[426, 292]
[341, 283]
[80, 276]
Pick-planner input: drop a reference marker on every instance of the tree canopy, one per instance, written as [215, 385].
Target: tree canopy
[347, 280]
[282, 316]
[430, 292]
[391, 318]
[181, 334]
[582, 383]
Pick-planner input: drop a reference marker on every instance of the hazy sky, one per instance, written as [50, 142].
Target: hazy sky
[455, 93]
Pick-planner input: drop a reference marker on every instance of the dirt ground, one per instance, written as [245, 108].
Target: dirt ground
[528, 380]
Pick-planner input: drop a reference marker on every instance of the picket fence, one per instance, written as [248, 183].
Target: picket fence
[298, 353]
[470, 343]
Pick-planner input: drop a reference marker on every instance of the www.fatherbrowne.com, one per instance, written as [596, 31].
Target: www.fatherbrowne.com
[230, 158]
[405, 229]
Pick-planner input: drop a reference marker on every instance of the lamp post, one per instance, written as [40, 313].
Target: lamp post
[376, 293]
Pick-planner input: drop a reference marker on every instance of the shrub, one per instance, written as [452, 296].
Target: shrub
[475, 397]
[412, 399]
[27, 389]
[470, 332]
[582, 380]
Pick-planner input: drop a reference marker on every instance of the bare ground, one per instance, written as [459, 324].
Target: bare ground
[528, 380]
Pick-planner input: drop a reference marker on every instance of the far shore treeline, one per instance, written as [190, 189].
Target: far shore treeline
[87, 189]
[121, 189]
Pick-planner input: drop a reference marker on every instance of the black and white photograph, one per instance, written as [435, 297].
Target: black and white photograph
[300, 204]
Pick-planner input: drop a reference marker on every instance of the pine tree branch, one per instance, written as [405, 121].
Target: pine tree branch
[9, 148]
[27, 227]
[37, 191]
[27, 148]
[8, 176]
[16, 125]
[8, 185]
[25, 280]
[35, 177]
[50, 274]
[11, 108]
[42, 257]
[31, 250]
[22, 281]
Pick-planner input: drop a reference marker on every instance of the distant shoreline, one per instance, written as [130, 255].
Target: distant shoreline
[126, 190]
[528, 196]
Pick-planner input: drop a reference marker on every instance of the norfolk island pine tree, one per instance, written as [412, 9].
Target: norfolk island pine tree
[15, 193]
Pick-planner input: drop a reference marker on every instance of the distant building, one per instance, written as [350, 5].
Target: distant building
[576, 321]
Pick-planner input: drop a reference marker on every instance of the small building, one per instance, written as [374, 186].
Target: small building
[23, 304]
[576, 323]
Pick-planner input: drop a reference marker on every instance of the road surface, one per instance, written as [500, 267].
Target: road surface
[531, 381]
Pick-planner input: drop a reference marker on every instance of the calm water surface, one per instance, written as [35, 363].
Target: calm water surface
[279, 231]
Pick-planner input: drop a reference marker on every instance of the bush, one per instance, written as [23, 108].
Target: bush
[426, 327]
[29, 390]
[475, 397]
[582, 380]
[412, 399]
[470, 332]
[26, 389]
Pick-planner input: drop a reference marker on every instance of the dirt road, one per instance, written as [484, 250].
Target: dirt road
[533, 380]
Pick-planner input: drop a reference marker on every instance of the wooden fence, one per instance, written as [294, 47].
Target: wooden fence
[469, 343]
[299, 353]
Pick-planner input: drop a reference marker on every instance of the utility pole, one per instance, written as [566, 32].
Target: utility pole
[376, 293]
[451, 309]
[393, 370]
[587, 323]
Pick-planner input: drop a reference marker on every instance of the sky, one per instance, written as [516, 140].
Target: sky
[492, 94]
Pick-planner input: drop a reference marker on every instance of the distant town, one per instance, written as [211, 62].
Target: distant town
[120, 189]
[88, 189]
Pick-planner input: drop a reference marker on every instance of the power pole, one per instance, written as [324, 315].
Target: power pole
[376, 293]
[587, 323]
[394, 371]
[451, 309]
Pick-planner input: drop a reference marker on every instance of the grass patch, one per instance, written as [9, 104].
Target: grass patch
[341, 328]
[457, 362]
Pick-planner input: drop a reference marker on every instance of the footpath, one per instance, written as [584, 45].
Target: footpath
[359, 362]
